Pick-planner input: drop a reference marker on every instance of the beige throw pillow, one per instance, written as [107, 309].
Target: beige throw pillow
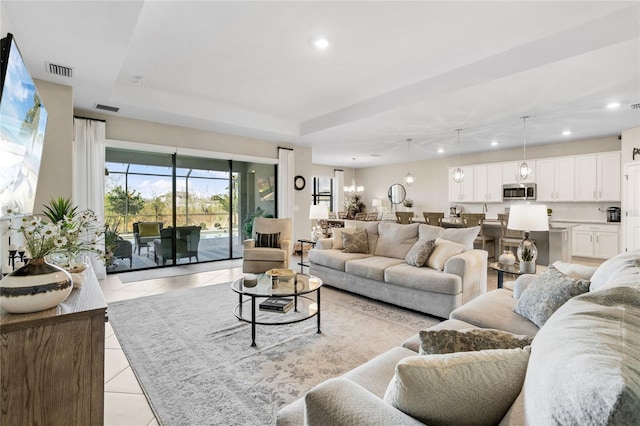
[337, 237]
[443, 250]
[450, 341]
[460, 388]
[355, 242]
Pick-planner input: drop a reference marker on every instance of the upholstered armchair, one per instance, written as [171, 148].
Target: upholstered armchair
[267, 250]
[145, 233]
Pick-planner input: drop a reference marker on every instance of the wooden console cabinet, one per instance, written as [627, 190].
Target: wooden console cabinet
[52, 362]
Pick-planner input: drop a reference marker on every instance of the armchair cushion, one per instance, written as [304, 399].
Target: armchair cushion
[451, 389]
[151, 229]
[268, 240]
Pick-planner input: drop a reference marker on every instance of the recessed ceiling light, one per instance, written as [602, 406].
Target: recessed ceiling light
[494, 143]
[613, 105]
[320, 43]
[376, 155]
[566, 133]
[440, 150]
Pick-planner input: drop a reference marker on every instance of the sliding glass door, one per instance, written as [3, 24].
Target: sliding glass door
[170, 209]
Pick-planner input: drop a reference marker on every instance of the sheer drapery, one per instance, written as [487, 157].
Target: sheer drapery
[338, 190]
[285, 182]
[88, 172]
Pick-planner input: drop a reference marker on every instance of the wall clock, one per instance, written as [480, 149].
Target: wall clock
[299, 183]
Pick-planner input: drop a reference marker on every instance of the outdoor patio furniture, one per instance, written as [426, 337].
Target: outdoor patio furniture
[145, 233]
[187, 241]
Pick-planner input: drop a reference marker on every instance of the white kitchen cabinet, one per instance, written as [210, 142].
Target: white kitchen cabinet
[597, 177]
[596, 241]
[487, 180]
[555, 179]
[511, 172]
[463, 191]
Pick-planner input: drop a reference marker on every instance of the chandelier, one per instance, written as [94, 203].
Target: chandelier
[524, 170]
[458, 173]
[354, 188]
[409, 179]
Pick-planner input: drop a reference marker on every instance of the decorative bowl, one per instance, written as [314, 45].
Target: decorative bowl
[282, 274]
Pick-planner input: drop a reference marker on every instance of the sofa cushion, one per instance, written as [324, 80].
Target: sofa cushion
[451, 389]
[584, 362]
[337, 237]
[426, 279]
[371, 267]
[429, 232]
[464, 236]
[413, 342]
[395, 240]
[355, 242]
[443, 250]
[334, 259]
[623, 264]
[268, 240]
[420, 252]
[495, 310]
[546, 293]
[264, 254]
[449, 341]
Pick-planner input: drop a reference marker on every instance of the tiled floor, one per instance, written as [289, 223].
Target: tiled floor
[125, 404]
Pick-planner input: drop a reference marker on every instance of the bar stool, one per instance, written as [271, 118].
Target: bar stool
[470, 220]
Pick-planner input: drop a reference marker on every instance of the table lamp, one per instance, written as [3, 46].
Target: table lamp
[527, 218]
[318, 212]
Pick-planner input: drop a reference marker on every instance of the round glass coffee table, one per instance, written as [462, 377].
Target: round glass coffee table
[501, 269]
[297, 290]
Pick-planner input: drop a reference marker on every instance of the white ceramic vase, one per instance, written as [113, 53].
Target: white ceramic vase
[507, 258]
[36, 286]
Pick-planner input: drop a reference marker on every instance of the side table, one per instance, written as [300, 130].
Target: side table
[302, 243]
[501, 269]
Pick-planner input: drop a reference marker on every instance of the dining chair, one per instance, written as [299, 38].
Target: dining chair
[509, 237]
[470, 220]
[404, 218]
[433, 218]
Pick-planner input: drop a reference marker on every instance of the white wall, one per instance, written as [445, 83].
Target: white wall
[630, 140]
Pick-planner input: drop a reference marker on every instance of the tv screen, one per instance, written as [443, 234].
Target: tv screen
[23, 121]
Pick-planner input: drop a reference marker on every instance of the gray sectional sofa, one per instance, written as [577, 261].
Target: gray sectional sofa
[580, 369]
[381, 272]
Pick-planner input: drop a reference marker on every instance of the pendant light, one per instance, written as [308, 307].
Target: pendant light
[458, 173]
[409, 179]
[353, 189]
[524, 170]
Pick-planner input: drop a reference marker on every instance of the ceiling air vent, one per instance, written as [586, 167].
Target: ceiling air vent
[635, 106]
[61, 70]
[107, 108]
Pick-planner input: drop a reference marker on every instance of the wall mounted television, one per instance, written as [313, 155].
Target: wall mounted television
[23, 122]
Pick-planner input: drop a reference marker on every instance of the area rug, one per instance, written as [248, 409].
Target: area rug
[194, 362]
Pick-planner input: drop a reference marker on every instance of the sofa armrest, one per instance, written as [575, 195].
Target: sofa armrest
[249, 244]
[522, 282]
[341, 402]
[471, 266]
[324, 244]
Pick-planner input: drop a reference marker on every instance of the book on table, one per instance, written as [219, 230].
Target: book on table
[277, 304]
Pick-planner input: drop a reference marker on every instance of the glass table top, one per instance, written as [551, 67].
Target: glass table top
[297, 285]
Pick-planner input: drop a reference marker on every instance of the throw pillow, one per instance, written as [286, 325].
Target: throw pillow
[546, 293]
[148, 229]
[268, 240]
[453, 389]
[464, 236]
[575, 270]
[449, 341]
[337, 237]
[355, 242]
[420, 252]
[442, 251]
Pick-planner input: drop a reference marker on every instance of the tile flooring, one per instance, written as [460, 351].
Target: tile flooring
[124, 402]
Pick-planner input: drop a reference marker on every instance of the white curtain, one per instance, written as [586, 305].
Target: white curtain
[338, 190]
[88, 172]
[285, 183]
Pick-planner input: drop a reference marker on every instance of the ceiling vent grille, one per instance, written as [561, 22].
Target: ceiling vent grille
[61, 70]
[635, 106]
[107, 108]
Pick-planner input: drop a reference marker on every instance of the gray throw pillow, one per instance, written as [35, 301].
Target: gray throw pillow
[355, 242]
[420, 252]
[546, 293]
[449, 341]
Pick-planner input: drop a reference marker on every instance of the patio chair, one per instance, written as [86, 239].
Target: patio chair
[145, 233]
[187, 241]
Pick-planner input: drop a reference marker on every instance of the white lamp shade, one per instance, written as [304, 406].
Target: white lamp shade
[318, 211]
[376, 202]
[528, 217]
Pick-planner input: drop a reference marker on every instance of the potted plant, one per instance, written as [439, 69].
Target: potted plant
[408, 203]
[527, 263]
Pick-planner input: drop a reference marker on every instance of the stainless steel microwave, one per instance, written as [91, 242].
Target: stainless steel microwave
[519, 191]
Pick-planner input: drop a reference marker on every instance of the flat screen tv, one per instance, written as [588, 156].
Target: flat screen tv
[23, 121]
